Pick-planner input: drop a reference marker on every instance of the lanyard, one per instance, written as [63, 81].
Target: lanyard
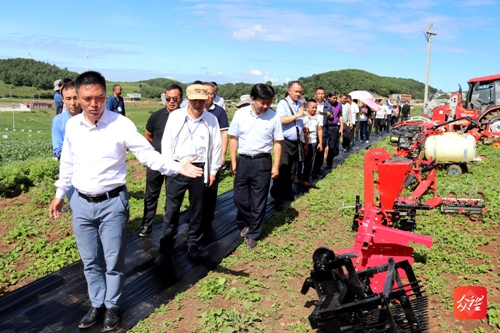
[189, 129]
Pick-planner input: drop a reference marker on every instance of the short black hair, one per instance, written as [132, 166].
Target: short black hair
[198, 82]
[210, 84]
[262, 91]
[90, 78]
[174, 86]
[319, 88]
[291, 83]
[116, 86]
[214, 83]
[311, 101]
[67, 85]
[332, 93]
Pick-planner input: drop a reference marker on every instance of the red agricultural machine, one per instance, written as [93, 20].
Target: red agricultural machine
[420, 138]
[450, 136]
[371, 286]
[481, 104]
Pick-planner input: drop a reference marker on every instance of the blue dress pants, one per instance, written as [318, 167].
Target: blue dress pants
[101, 236]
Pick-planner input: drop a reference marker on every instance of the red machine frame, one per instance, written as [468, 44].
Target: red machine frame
[377, 239]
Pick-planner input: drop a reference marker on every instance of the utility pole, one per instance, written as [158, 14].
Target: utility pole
[428, 35]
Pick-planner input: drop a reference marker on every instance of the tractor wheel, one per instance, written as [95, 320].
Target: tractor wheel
[494, 117]
[454, 170]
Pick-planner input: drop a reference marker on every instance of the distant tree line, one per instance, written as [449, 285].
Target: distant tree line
[153, 88]
[343, 81]
[41, 75]
[347, 80]
[31, 73]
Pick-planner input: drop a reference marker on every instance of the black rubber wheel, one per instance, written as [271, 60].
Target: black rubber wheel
[494, 117]
[454, 170]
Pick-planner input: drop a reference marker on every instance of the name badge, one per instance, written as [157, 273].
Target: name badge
[192, 149]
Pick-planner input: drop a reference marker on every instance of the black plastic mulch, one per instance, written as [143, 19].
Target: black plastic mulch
[57, 302]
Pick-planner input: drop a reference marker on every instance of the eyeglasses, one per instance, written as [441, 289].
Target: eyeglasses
[173, 99]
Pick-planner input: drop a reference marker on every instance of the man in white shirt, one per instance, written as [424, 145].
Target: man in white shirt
[313, 126]
[93, 161]
[217, 99]
[348, 122]
[320, 159]
[380, 117]
[355, 116]
[190, 131]
[255, 132]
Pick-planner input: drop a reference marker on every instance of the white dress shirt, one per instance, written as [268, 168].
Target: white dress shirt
[354, 112]
[93, 156]
[220, 102]
[185, 137]
[256, 134]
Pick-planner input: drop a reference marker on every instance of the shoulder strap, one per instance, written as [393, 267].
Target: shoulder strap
[289, 106]
[296, 127]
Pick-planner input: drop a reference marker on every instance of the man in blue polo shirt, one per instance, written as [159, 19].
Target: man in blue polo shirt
[290, 110]
[115, 101]
[58, 102]
[255, 131]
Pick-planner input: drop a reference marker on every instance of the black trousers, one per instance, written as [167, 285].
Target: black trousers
[347, 137]
[251, 185]
[154, 182]
[379, 125]
[176, 188]
[320, 155]
[282, 185]
[309, 160]
[209, 202]
[333, 143]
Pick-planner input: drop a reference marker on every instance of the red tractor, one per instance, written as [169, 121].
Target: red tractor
[482, 104]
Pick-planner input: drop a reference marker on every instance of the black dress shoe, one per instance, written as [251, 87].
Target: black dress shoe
[160, 260]
[194, 252]
[111, 319]
[92, 316]
[144, 231]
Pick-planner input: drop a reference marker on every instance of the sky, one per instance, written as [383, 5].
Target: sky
[257, 41]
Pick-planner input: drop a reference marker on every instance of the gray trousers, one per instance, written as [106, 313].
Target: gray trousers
[101, 236]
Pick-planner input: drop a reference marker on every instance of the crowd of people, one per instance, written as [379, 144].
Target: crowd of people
[185, 148]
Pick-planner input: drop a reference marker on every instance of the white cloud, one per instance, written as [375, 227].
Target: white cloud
[220, 74]
[272, 79]
[255, 72]
[249, 33]
[287, 80]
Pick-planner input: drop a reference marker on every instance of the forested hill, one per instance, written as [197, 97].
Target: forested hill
[343, 81]
[347, 80]
[40, 75]
[29, 72]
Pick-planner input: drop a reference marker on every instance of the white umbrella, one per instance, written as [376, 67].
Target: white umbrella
[371, 103]
[361, 94]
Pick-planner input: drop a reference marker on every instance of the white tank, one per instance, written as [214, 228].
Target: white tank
[451, 147]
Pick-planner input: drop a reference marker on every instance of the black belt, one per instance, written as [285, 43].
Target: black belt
[196, 164]
[199, 165]
[253, 157]
[104, 196]
[292, 141]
